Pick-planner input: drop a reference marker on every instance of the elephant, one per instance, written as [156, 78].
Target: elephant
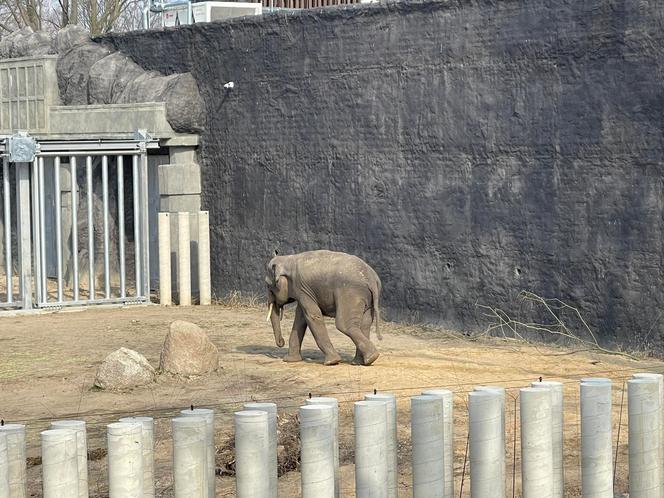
[325, 283]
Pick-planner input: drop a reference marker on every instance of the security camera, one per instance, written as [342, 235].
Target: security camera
[229, 85]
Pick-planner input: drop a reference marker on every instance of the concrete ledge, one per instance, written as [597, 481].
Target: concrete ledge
[179, 179]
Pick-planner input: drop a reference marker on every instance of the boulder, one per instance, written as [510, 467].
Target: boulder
[73, 70]
[69, 37]
[110, 76]
[25, 42]
[124, 369]
[188, 351]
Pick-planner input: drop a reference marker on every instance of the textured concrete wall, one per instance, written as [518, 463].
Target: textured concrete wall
[466, 149]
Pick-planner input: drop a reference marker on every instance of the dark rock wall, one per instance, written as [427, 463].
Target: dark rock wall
[466, 149]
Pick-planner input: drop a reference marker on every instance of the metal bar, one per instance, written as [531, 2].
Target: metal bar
[24, 232]
[84, 147]
[121, 225]
[58, 225]
[107, 248]
[82, 153]
[36, 229]
[145, 224]
[8, 233]
[42, 232]
[85, 302]
[137, 228]
[91, 231]
[74, 224]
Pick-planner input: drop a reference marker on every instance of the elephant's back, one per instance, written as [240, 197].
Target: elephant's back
[342, 268]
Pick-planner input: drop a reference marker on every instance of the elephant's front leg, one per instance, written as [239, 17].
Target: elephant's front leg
[314, 318]
[296, 337]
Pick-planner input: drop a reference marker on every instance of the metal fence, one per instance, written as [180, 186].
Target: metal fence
[305, 4]
[75, 232]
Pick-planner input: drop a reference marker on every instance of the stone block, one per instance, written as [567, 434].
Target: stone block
[179, 179]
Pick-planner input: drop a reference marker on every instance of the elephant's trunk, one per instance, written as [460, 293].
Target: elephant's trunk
[276, 326]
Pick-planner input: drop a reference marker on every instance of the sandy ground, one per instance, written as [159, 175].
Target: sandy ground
[48, 363]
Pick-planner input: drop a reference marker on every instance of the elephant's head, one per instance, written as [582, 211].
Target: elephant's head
[278, 294]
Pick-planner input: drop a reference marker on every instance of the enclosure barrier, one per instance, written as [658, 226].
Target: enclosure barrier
[448, 436]
[334, 403]
[130, 444]
[660, 382]
[183, 257]
[392, 446]
[557, 419]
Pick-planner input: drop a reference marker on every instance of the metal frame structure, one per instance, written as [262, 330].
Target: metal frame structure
[33, 244]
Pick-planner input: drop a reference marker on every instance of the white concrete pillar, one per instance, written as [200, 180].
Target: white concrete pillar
[486, 440]
[448, 436]
[125, 460]
[334, 403]
[16, 459]
[271, 410]
[4, 466]
[184, 260]
[208, 415]
[428, 446]
[147, 424]
[644, 416]
[536, 443]
[557, 419]
[317, 451]
[370, 449]
[190, 457]
[165, 290]
[204, 278]
[78, 426]
[596, 440]
[59, 464]
[392, 442]
[660, 381]
[252, 445]
[500, 391]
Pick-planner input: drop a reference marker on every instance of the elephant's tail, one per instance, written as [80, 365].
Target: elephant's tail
[375, 293]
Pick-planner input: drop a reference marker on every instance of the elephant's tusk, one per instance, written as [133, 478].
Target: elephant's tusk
[269, 312]
[281, 314]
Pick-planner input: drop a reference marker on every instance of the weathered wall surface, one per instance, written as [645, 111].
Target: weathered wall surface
[466, 149]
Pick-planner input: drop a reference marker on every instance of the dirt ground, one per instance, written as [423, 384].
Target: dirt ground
[48, 363]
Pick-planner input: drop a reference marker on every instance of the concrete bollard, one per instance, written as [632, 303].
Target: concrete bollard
[596, 442]
[271, 410]
[190, 457]
[252, 444]
[334, 403]
[487, 443]
[448, 436]
[392, 443]
[557, 419]
[370, 449]
[660, 381]
[204, 278]
[428, 446]
[184, 260]
[317, 451]
[536, 443]
[16, 459]
[164, 236]
[147, 425]
[125, 460]
[4, 466]
[500, 391]
[644, 416]
[59, 451]
[78, 426]
[208, 415]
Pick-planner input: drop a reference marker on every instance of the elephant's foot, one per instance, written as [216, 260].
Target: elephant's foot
[358, 359]
[332, 359]
[292, 357]
[369, 359]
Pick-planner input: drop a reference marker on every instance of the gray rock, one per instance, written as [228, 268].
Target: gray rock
[73, 71]
[70, 37]
[188, 351]
[124, 369]
[24, 43]
[110, 76]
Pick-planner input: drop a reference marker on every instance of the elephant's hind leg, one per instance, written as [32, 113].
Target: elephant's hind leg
[367, 321]
[350, 316]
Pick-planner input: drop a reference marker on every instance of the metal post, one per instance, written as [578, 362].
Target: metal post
[58, 226]
[145, 224]
[24, 234]
[121, 226]
[137, 228]
[107, 244]
[8, 232]
[42, 233]
[74, 224]
[91, 231]
[36, 224]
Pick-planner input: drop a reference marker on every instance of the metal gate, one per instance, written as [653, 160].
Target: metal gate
[75, 223]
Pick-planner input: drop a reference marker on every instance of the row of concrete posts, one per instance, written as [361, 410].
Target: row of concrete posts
[130, 444]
